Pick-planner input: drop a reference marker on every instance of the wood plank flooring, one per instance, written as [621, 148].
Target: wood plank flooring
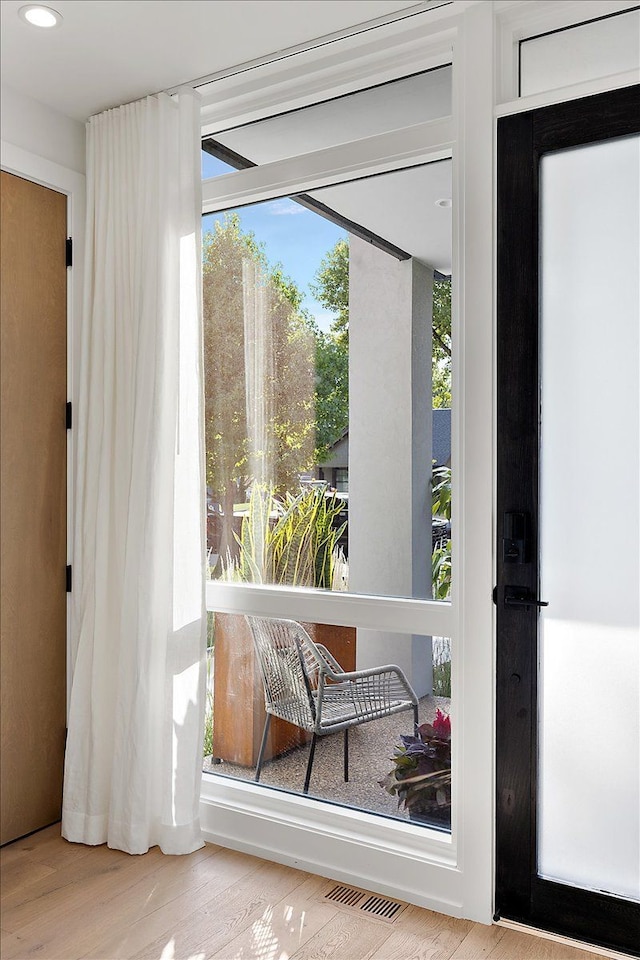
[63, 901]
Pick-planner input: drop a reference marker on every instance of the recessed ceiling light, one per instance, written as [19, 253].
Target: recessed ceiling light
[445, 202]
[39, 16]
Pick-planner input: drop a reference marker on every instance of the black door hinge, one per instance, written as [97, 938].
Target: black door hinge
[68, 415]
[68, 578]
[69, 262]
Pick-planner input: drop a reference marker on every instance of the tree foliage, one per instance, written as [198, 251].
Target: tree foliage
[332, 392]
[332, 288]
[259, 370]
[441, 343]
[332, 349]
[278, 421]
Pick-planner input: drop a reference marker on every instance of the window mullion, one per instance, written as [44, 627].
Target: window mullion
[430, 617]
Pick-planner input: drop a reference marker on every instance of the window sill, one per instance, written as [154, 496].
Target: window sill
[394, 858]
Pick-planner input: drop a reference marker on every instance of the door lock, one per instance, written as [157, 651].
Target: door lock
[516, 539]
[520, 597]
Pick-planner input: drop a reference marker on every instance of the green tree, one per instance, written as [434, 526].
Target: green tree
[332, 349]
[259, 371]
[441, 343]
[331, 393]
[332, 288]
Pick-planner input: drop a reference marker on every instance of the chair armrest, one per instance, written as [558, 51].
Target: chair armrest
[389, 670]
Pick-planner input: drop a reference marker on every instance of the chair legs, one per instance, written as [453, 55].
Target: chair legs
[310, 764]
[312, 751]
[307, 779]
[346, 754]
[265, 734]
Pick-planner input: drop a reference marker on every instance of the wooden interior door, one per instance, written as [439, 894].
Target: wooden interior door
[33, 504]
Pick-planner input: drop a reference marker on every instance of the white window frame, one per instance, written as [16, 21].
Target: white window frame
[521, 20]
[448, 873]
[481, 37]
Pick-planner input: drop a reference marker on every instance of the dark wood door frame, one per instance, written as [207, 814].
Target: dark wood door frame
[520, 894]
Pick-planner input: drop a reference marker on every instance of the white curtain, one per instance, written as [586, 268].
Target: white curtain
[134, 749]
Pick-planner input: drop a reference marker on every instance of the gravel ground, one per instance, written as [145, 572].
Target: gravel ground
[370, 747]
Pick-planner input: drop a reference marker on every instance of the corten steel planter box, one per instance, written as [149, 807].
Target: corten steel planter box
[238, 697]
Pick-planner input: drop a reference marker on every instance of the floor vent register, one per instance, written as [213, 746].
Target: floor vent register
[359, 902]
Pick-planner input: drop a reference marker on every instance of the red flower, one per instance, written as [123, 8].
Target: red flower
[442, 725]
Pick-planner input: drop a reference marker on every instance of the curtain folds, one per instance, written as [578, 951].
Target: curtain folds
[134, 748]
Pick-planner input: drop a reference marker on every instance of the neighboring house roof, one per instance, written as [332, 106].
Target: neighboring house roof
[338, 455]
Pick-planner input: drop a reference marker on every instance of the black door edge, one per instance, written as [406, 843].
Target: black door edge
[520, 895]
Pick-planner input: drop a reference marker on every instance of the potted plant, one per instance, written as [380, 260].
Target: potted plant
[421, 775]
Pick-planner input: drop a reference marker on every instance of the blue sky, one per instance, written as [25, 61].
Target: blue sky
[292, 235]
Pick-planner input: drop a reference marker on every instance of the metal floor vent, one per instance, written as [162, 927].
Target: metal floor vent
[359, 902]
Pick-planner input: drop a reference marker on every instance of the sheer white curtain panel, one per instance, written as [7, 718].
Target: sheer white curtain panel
[134, 748]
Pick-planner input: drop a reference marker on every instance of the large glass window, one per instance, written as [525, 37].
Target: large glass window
[327, 321]
[328, 439]
[328, 389]
[384, 765]
[377, 110]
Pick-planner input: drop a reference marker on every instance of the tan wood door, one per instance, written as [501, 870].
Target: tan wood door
[33, 377]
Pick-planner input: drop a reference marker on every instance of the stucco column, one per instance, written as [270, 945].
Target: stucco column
[390, 424]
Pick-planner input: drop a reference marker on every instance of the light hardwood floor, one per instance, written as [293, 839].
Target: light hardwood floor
[63, 901]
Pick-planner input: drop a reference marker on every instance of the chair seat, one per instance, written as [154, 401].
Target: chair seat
[338, 711]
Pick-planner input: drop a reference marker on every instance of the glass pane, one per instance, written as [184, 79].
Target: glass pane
[328, 390]
[586, 52]
[212, 166]
[390, 106]
[589, 724]
[378, 762]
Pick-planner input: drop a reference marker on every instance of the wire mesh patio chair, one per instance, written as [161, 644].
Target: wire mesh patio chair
[305, 685]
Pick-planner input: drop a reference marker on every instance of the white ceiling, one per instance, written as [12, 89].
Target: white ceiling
[399, 207]
[108, 52]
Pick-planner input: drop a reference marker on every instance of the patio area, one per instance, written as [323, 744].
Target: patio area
[371, 746]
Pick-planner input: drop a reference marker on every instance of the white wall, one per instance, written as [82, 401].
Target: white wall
[34, 127]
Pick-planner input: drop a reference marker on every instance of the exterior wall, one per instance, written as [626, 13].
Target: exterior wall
[390, 316]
